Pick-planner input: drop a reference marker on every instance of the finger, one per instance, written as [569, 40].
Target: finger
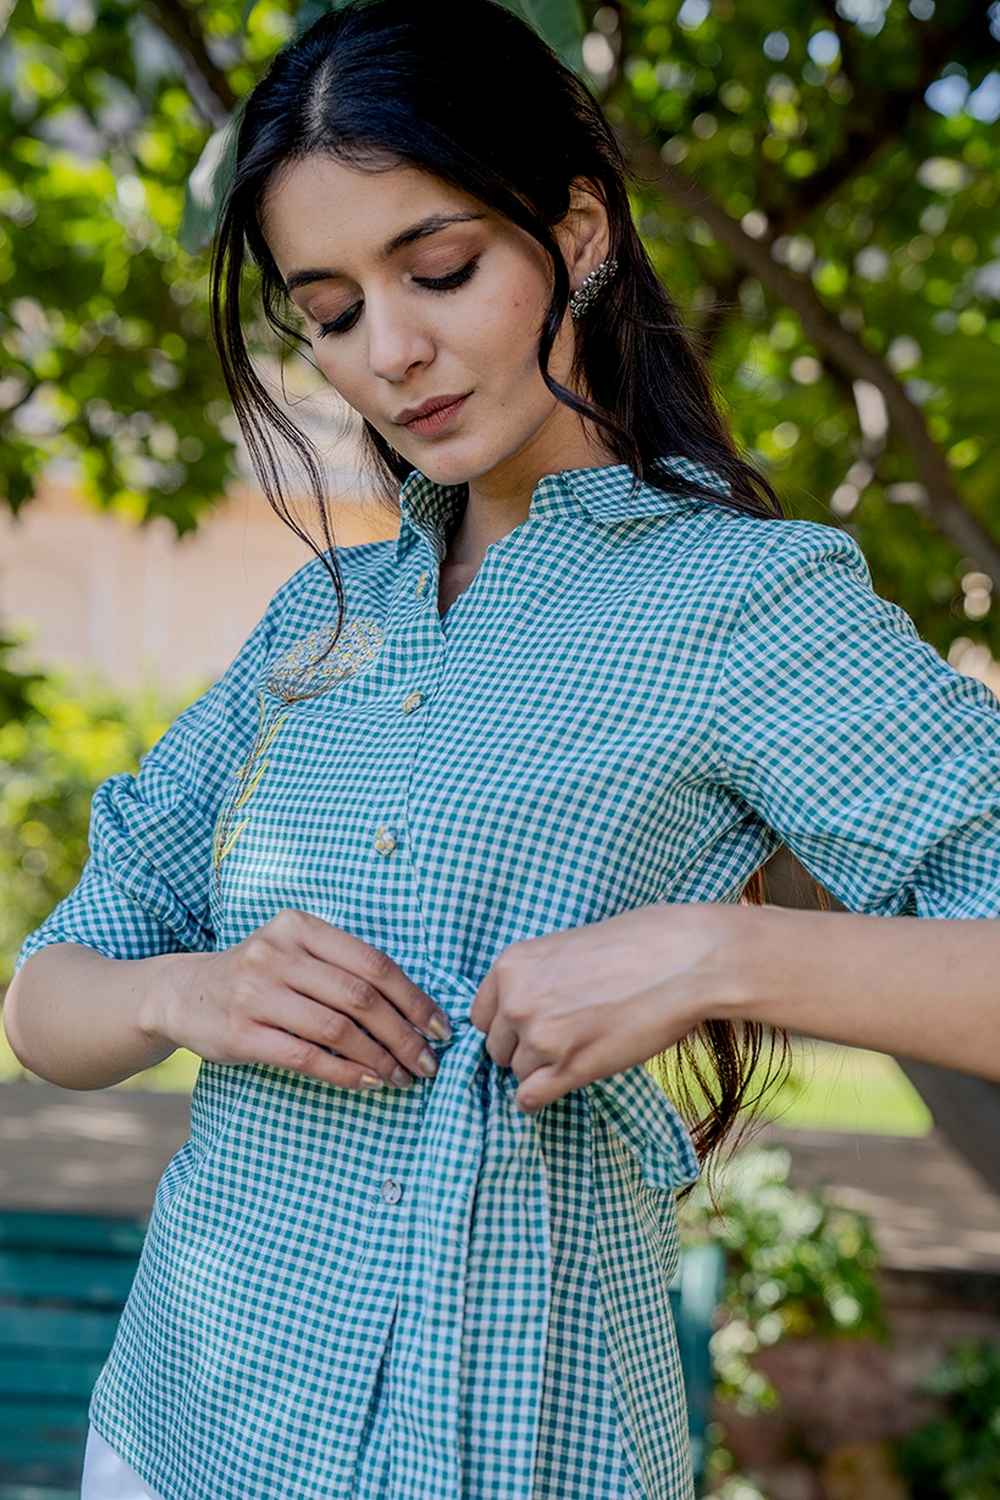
[331, 1028]
[542, 1087]
[333, 945]
[279, 1049]
[334, 991]
[485, 1001]
[501, 1043]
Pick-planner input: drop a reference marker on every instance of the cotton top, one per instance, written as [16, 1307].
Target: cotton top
[426, 1292]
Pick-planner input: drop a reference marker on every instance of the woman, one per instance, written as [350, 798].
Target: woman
[517, 781]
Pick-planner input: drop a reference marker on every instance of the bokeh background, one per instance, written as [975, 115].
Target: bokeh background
[818, 185]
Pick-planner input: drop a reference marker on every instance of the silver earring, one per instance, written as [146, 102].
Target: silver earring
[590, 286]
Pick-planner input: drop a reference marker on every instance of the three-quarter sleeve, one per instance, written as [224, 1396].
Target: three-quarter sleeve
[145, 888]
[876, 762]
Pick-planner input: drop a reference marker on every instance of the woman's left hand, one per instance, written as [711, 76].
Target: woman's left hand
[584, 1003]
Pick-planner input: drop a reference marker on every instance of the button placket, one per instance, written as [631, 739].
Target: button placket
[384, 839]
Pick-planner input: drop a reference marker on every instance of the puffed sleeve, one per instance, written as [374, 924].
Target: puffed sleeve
[876, 762]
[146, 884]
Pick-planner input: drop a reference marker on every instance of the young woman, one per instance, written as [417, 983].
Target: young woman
[511, 772]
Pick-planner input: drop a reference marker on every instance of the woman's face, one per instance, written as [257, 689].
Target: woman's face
[455, 309]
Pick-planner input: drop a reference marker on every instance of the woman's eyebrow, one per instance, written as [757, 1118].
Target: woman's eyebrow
[430, 225]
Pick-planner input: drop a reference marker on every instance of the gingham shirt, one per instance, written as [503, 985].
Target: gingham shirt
[426, 1292]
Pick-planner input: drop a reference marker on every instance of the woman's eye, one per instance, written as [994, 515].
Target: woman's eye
[449, 283]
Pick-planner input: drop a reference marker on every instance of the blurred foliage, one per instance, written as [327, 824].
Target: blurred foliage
[72, 736]
[15, 683]
[866, 134]
[797, 1264]
[105, 331]
[862, 134]
[734, 1487]
[957, 1456]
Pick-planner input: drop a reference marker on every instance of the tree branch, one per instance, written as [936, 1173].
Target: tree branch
[839, 347]
[179, 25]
[879, 118]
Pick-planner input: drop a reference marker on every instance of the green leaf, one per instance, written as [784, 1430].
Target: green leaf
[558, 22]
[311, 10]
[207, 186]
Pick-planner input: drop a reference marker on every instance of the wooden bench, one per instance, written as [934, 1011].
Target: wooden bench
[64, 1278]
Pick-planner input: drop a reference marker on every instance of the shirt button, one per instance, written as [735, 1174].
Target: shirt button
[391, 1191]
[412, 701]
[384, 841]
[421, 584]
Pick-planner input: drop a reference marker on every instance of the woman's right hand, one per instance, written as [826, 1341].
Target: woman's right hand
[291, 990]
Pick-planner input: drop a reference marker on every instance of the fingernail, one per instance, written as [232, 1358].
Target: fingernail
[427, 1062]
[439, 1027]
[371, 1082]
[400, 1076]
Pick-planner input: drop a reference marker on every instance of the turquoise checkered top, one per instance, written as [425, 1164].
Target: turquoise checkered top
[427, 1293]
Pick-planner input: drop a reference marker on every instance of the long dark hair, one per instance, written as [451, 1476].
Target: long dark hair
[390, 82]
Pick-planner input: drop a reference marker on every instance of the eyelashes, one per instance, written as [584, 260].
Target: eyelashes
[449, 283]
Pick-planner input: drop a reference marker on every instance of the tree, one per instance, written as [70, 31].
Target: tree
[819, 189]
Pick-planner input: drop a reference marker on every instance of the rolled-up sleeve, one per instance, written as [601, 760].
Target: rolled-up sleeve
[145, 888]
[876, 762]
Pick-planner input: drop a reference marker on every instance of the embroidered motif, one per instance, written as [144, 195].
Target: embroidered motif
[297, 674]
[248, 778]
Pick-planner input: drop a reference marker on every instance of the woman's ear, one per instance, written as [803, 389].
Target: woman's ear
[584, 233]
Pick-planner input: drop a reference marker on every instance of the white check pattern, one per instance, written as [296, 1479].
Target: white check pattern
[427, 1293]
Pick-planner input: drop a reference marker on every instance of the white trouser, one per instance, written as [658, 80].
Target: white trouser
[106, 1476]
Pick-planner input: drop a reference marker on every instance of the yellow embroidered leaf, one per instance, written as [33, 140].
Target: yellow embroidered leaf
[231, 840]
[252, 787]
[243, 769]
[269, 737]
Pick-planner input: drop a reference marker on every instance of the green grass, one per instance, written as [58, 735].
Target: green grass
[830, 1088]
[845, 1088]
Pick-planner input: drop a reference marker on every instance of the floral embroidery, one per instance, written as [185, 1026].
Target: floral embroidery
[295, 675]
[248, 777]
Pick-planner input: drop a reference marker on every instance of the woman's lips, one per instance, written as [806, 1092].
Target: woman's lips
[438, 420]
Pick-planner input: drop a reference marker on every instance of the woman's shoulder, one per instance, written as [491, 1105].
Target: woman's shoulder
[308, 598]
[748, 552]
[757, 536]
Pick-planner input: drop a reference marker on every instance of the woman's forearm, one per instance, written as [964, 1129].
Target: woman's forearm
[925, 988]
[84, 1021]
